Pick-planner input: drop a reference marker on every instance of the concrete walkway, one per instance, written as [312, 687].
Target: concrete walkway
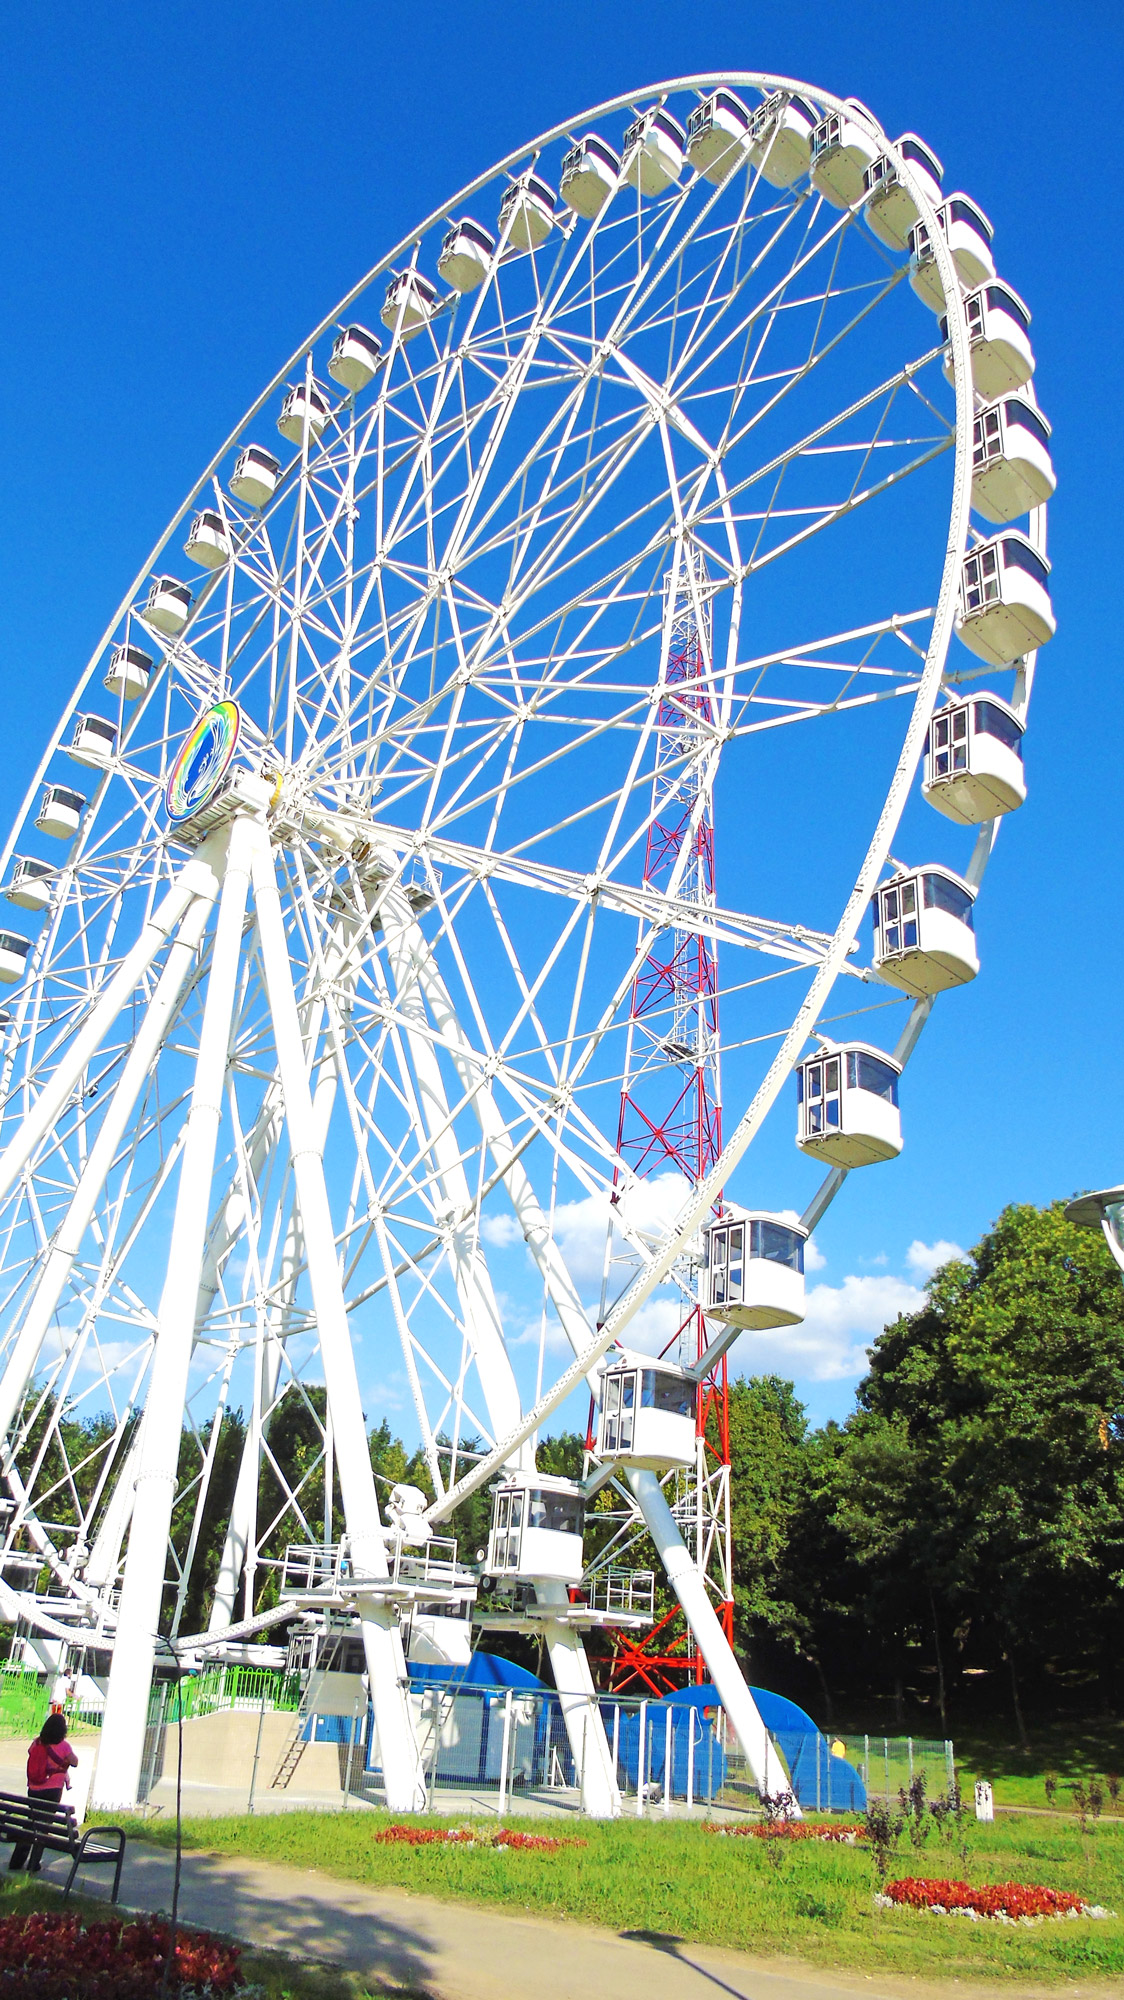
[461, 1951]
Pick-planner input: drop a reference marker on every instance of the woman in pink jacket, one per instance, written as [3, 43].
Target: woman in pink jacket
[49, 1762]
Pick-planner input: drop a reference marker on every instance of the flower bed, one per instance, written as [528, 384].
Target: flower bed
[1002, 1902]
[471, 1836]
[58, 1956]
[792, 1829]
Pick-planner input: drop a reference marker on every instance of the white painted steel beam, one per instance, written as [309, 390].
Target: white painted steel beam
[403, 1771]
[118, 1777]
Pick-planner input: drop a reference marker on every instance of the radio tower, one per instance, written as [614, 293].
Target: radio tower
[670, 1115]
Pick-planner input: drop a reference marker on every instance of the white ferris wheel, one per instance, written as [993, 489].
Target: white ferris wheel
[329, 897]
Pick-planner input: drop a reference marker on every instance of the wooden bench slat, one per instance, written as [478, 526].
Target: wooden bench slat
[38, 1823]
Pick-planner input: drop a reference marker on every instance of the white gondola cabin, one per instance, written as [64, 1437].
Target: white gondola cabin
[466, 253]
[590, 172]
[255, 476]
[536, 1534]
[847, 1105]
[968, 233]
[304, 408]
[648, 1413]
[780, 138]
[1005, 608]
[527, 213]
[999, 338]
[32, 884]
[13, 957]
[890, 208]
[843, 148]
[924, 940]
[93, 742]
[408, 305]
[754, 1275]
[168, 606]
[717, 136]
[974, 760]
[356, 358]
[653, 152]
[60, 812]
[208, 544]
[129, 672]
[1012, 470]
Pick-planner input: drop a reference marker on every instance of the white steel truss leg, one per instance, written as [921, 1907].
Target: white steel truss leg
[242, 1527]
[158, 1016]
[403, 1769]
[118, 1775]
[581, 1711]
[689, 1586]
[192, 880]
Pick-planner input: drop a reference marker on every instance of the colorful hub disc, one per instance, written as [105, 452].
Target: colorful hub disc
[203, 761]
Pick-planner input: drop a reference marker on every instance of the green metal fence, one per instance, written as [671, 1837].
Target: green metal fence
[888, 1764]
[25, 1697]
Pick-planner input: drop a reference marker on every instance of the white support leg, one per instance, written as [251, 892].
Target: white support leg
[194, 879]
[690, 1588]
[581, 1711]
[242, 1526]
[403, 1769]
[118, 1776]
[158, 1015]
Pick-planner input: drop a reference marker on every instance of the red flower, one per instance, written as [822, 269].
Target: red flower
[997, 1899]
[60, 1957]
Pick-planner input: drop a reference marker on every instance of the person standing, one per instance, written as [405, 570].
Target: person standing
[49, 1762]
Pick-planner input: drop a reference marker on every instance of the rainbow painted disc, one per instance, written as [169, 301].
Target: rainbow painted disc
[203, 761]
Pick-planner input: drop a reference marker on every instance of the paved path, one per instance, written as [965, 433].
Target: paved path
[461, 1951]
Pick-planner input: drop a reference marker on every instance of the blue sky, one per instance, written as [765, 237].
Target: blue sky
[188, 190]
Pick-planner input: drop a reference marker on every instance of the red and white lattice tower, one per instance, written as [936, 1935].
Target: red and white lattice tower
[671, 1113]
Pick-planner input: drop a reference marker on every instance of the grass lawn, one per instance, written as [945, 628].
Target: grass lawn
[1071, 1750]
[807, 1900]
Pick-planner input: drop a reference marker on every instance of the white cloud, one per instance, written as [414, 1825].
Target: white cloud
[500, 1230]
[925, 1258]
[832, 1344]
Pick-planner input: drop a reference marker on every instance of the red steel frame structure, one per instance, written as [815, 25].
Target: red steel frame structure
[670, 1112]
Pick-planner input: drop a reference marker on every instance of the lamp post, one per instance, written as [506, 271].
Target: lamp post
[1103, 1210]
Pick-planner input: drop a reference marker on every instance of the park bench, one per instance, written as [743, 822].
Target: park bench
[55, 1830]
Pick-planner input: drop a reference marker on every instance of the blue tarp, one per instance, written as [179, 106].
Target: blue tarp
[820, 1781]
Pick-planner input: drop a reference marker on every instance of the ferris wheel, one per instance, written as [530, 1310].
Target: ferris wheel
[579, 604]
